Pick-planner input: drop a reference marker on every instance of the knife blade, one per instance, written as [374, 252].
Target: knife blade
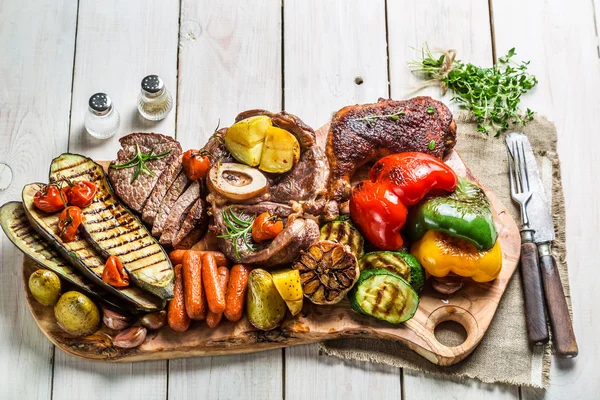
[540, 218]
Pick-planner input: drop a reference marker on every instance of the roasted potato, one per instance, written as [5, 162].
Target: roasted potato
[288, 284]
[280, 152]
[76, 314]
[264, 305]
[245, 139]
[45, 287]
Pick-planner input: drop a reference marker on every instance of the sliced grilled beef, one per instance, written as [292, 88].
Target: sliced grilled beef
[135, 193]
[178, 212]
[194, 226]
[176, 189]
[157, 196]
[298, 234]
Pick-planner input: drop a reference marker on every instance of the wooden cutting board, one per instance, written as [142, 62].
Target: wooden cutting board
[473, 307]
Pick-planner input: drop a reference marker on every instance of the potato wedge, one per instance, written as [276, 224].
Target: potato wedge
[280, 152]
[264, 306]
[245, 139]
[288, 285]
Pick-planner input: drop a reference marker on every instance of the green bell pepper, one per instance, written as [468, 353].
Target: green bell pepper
[466, 213]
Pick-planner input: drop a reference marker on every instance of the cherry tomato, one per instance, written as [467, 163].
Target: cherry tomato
[114, 274]
[266, 227]
[195, 164]
[81, 193]
[51, 198]
[68, 223]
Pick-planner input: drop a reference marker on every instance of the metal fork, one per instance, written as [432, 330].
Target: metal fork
[520, 191]
[519, 180]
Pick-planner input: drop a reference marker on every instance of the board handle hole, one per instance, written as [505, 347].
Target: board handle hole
[450, 333]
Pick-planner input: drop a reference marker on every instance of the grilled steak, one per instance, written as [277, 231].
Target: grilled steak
[176, 189]
[362, 133]
[178, 212]
[157, 196]
[194, 226]
[298, 234]
[135, 193]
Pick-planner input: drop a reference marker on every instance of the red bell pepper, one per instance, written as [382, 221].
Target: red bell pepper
[378, 206]
[379, 213]
[413, 175]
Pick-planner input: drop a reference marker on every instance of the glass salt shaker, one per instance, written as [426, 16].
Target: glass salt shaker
[102, 119]
[154, 100]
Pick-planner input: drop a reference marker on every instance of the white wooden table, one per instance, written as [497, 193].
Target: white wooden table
[219, 58]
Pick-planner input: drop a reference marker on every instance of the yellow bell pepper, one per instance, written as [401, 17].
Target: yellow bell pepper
[441, 254]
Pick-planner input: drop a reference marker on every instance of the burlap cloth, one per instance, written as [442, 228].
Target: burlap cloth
[504, 354]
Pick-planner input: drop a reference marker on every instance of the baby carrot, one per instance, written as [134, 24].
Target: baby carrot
[213, 319]
[176, 316]
[236, 292]
[195, 303]
[176, 256]
[215, 295]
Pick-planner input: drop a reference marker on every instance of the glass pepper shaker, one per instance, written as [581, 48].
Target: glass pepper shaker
[102, 119]
[154, 100]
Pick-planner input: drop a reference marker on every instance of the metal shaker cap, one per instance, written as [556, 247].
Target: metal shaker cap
[152, 86]
[100, 104]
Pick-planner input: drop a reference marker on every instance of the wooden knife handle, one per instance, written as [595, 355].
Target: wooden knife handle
[535, 310]
[563, 336]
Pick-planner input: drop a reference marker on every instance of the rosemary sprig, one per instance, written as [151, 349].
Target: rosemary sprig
[238, 227]
[139, 162]
[372, 118]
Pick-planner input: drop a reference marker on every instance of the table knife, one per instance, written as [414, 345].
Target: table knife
[541, 222]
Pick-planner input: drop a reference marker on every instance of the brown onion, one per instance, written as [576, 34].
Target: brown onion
[155, 320]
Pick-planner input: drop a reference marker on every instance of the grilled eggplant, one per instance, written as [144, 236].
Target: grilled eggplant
[80, 254]
[113, 230]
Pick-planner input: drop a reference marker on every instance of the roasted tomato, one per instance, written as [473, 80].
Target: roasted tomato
[68, 222]
[379, 214]
[195, 164]
[114, 274]
[413, 175]
[51, 198]
[81, 193]
[266, 227]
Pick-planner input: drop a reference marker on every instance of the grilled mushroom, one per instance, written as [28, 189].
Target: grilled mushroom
[328, 270]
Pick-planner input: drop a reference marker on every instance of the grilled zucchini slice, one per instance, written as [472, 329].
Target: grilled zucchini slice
[402, 264]
[81, 254]
[113, 230]
[19, 231]
[344, 232]
[384, 295]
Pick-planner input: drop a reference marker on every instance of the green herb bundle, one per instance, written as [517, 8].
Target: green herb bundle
[491, 94]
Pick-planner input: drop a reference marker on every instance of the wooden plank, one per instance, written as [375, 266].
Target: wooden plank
[335, 55]
[118, 43]
[230, 61]
[253, 376]
[463, 26]
[37, 40]
[560, 40]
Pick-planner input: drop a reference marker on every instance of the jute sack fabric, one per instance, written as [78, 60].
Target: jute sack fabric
[504, 354]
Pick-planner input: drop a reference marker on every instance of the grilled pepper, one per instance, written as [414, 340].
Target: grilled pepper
[441, 254]
[378, 206]
[466, 213]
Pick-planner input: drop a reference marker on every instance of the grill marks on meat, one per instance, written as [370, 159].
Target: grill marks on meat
[155, 200]
[354, 140]
[180, 208]
[135, 193]
[193, 227]
[176, 190]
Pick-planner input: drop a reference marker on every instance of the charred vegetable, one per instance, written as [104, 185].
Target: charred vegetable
[266, 227]
[264, 305]
[344, 232]
[384, 295]
[288, 285]
[155, 320]
[45, 287]
[76, 314]
[402, 264]
[328, 271]
[113, 230]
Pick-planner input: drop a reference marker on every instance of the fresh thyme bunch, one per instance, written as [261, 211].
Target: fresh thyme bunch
[491, 94]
